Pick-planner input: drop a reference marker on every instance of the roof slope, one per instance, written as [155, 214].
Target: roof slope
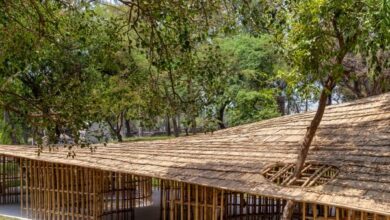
[354, 136]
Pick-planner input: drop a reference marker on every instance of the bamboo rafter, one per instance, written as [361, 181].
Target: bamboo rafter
[312, 174]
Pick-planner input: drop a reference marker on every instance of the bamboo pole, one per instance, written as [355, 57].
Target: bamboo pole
[222, 204]
[182, 201]
[21, 186]
[204, 203]
[214, 212]
[188, 201]
[171, 202]
[196, 202]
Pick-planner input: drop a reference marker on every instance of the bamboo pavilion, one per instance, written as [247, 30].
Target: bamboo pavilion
[243, 172]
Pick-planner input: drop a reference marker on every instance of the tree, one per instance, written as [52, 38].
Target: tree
[253, 88]
[50, 63]
[122, 95]
[318, 35]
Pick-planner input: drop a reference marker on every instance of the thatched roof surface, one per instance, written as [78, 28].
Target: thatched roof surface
[353, 136]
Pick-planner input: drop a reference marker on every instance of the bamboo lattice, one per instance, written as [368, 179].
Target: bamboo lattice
[9, 180]
[58, 191]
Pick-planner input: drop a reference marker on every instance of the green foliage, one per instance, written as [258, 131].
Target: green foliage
[53, 57]
[253, 106]
[66, 65]
[254, 87]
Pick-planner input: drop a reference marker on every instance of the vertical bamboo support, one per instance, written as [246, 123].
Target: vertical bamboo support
[62, 192]
[164, 200]
[46, 198]
[241, 205]
[196, 202]
[204, 203]
[27, 187]
[222, 204]
[32, 191]
[21, 185]
[171, 201]
[94, 182]
[214, 212]
[36, 202]
[188, 202]
[182, 201]
[73, 193]
[349, 214]
[326, 211]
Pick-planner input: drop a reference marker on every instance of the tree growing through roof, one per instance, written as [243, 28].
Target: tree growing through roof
[317, 37]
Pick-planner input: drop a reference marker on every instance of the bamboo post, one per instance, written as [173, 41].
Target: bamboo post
[62, 167]
[214, 212]
[222, 204]
[349, 214]
[27, 187]
[21, 185]
[314, 207]
[181, 201]
[172, 200]
[196, 202]
[326, 210]
[164, 200]
[204, 203]
[47, 187]
[71, 189]
[188, 202]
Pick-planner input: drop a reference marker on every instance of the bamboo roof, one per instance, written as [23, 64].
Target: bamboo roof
[354, 136]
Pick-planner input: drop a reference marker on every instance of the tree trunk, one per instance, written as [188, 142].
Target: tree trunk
[311, 130]
[128, 128]
[193, 125]
[175, 127]
[12, 133]
[119, 136]
[141, 129]
[288, 105]
[288, 210]
[25, 133]
[168, 126]
[281, 100]
[305, 145]
[329, 99]
[115, 130]
[220, 116]
[186, 130]
[306, 104]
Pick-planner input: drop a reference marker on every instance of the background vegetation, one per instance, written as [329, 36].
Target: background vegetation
[95, 71]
